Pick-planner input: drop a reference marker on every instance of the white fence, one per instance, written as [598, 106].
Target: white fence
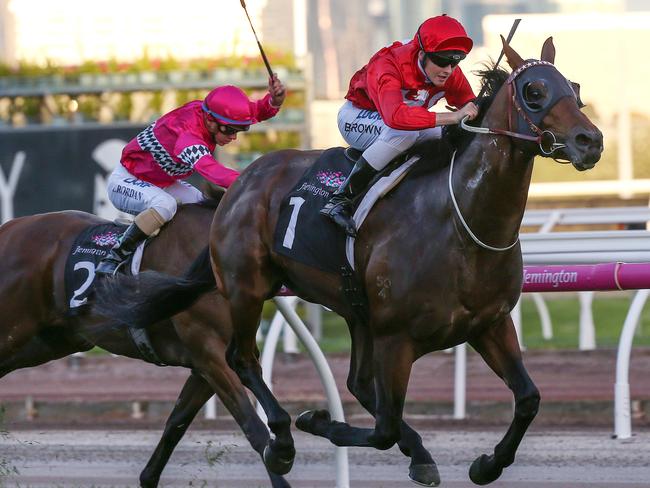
[548, 219]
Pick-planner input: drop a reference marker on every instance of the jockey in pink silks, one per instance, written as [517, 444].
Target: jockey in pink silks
[148, 182]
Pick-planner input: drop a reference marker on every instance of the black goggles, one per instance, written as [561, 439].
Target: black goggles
[446, 58]
[230, 130]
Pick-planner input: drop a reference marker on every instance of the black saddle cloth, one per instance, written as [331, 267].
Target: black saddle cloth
[91, 245]
[302, 233]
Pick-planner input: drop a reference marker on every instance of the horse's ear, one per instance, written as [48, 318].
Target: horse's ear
[548, 51]
[514, 60]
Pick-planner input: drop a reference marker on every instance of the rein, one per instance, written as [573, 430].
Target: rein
[541, 134]
[462, 220]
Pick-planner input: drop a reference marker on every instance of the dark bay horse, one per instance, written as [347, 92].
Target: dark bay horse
[438, 257]
[35, 328]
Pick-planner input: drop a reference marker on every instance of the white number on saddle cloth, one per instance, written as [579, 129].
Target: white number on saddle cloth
[90, 267]
[290, 234]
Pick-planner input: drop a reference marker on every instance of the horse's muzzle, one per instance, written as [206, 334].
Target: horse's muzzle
[584, 147]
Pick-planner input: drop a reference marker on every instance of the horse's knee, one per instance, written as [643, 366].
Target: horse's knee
[383, 441]
[281, 420]
[385, 437]
[528, 405]
[362, 391]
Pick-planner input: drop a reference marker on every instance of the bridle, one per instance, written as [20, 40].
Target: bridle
[545, 139]
[516, 87]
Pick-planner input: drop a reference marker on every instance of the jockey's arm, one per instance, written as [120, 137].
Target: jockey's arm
[388, 98]
[215, 172]
[263, 108]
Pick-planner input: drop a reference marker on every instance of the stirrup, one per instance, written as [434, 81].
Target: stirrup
[339, 213]
[111, 264]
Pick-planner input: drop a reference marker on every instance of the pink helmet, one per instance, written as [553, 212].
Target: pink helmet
[443, 33]
[229, 105]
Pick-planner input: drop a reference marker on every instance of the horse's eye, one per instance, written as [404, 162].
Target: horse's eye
[534, 95]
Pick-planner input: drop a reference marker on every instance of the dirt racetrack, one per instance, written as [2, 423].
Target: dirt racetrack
[83, 433]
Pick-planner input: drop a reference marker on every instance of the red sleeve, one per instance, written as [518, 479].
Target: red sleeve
[385, 90]
[262, 109]
[459, 91]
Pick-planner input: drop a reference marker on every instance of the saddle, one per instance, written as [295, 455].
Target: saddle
[304, 235]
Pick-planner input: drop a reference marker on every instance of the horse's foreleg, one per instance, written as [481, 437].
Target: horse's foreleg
[195, 393]
[422, 469]
[499, 348]
[242, 354]
[232, 394]
[392, 365]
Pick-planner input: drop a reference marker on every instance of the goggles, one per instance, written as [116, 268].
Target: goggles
[230, 130]
[446, 58]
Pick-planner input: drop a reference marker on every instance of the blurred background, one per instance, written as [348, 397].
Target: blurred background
[78, 80]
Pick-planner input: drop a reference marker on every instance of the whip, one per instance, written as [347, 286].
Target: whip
[266, 61]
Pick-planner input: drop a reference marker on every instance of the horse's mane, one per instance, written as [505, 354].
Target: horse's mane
[437, 153]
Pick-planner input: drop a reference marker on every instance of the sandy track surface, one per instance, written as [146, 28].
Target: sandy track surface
[99, 458]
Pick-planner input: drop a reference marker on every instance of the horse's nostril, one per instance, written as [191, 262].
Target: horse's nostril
[588, 140]
[584, 140]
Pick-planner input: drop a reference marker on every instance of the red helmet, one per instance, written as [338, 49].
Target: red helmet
[443, 33]
[229, 105]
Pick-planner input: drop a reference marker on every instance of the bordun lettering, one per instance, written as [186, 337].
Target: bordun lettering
[129, 192]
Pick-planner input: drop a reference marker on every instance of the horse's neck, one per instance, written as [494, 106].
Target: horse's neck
[491, 181]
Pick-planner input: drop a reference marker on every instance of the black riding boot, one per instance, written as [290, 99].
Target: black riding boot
[339, 206]
[127, 245]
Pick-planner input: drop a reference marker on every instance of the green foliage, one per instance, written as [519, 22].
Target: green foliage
[26, 69]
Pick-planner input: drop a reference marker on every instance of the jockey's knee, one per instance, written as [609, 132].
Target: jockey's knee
[400, 139]
[429, 134]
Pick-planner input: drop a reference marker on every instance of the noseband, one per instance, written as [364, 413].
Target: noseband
[527, 118]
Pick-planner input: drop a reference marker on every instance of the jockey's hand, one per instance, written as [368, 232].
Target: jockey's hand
[277, 91]
[470, 109]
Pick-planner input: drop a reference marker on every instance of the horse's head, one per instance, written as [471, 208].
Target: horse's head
[547, 109]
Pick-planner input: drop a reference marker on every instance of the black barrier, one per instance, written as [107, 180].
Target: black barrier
[45, 169]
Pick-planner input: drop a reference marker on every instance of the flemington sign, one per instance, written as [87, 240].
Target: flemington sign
[587, 277]
[45, 169]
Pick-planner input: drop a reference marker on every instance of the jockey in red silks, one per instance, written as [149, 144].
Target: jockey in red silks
[388, 102]
[148, 182]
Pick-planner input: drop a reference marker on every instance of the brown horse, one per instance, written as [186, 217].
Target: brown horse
[438, 257]
[36, 327]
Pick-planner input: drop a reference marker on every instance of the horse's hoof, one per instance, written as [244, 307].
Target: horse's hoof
[483, 470]
[314, 421]
[146, 482]
[424, 474]
[275, 463]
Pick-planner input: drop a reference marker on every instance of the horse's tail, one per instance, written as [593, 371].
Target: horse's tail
[150, 296]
